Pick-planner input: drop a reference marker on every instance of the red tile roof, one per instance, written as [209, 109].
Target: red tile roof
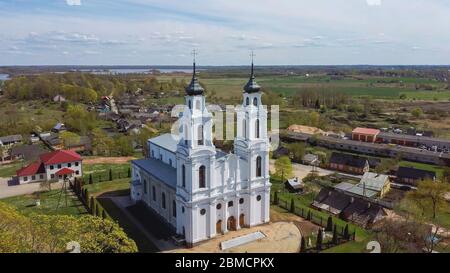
[366, 131]
[64, 171]
[61, 156]
[32, 169]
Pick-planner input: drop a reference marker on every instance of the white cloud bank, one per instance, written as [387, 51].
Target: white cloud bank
[73, 2]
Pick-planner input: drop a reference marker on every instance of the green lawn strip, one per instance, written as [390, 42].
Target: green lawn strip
[10, 169]
[49, 202]
[100, 172]
[142, 242]
[108, 186]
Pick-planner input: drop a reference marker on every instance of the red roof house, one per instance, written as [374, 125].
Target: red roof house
[32, 169]
[365, 134]
[58, 157]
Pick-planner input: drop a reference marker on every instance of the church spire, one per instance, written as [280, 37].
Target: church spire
[194, 88]
[252, 86]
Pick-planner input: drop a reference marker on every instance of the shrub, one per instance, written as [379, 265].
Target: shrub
[346, 234]
[329, 224]
[335, 236]
[319, 240]
[292, 206]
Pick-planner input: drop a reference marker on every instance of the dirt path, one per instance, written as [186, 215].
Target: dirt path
[108, 160]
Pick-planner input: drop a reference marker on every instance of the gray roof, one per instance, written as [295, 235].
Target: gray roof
[252, 86]
[310, 157]
[11, 138]
[158, 169]
[194, 88]
[374, 181]
[295, 182]
[344, 186]
[166, 141]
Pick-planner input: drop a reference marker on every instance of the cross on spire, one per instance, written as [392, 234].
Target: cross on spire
[194, 53]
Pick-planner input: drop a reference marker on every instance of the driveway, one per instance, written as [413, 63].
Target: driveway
[15, 190]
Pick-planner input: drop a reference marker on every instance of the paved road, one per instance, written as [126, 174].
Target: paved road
[9, 191]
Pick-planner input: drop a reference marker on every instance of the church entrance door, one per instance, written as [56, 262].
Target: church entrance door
[242, 220]
[231, 223]
[219, 227]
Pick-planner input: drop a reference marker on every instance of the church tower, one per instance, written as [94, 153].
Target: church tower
[252, 145]
[195, 162]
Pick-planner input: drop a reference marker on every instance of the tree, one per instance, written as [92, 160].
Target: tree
[319, 240]
[302, 245]
[346, 234]
[283, 167]
[275, 198]
[92, 205]
[69, 138]
[129, 172]
[308, 216]
[38, 233]
[297, 150]
[335, 235]
[430, 194]
[110, 174]
[90, 179]
[101, 143]
[292, 210]
[329, 224]
[417, 112]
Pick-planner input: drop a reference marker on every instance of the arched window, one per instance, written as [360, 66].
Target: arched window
[201, 177]
[174, 208]
[247, 101]
[257, 128]
[163, 200]
[197, 105]
[183, 176]
[153, 154]
[185, 135]
[190, 104]
[200, 135]
[244, 128]
[258, 167]
[170, 161]
[255, 102]
[154, 193]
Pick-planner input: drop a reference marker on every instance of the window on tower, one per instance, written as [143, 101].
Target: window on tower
[183, 176]
[247, 101]
[174, 209]
[257, 128]
[201, 177]
[190, 104]
[258, 167]
[163, 200]
[255, 102]
[244, 128]
[200, 135]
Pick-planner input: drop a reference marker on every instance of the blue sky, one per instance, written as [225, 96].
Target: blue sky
[164, 32]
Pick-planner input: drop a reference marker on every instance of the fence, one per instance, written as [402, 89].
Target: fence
[90, 202]
[309, 215]
[98, 177]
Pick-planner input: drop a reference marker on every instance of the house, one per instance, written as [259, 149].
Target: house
[349, 163]
[280, 151]
[53, 166]
[52, 140]
[10, 140]
[311, 159]
[83, 146]
[365, 134]
[59, 127]
[371, 185]
[294, 185]
[413, 176]
[26, 152]
[350, 208]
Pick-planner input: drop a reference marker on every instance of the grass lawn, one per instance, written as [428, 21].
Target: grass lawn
[109, 186]
[10, 169]
[49, 203]
[100, 172]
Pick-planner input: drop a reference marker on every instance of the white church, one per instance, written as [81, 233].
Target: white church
[199, 190]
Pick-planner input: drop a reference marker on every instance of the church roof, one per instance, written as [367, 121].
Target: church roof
[252, 86]
[158, 169]
[166, 141]
[194, 88]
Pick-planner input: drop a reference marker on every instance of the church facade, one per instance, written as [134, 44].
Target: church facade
[202, 191]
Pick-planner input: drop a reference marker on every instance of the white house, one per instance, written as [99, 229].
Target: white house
[57, 165]
[199, 190]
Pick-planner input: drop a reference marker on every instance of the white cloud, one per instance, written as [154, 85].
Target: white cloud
[73, 2]
[373, 2]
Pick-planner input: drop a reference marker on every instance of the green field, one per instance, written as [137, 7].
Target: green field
[109, 186]
[10, 169]
[26, 204]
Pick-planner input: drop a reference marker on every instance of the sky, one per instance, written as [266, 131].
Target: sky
[223, 32]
